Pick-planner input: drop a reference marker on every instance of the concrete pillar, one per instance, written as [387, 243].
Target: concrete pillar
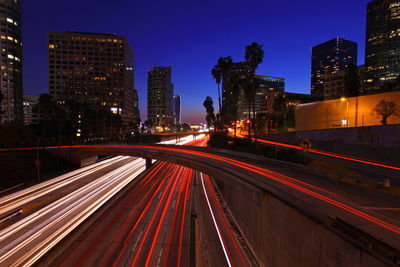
[148, 163]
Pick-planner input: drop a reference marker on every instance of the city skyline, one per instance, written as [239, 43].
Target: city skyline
[187, 47]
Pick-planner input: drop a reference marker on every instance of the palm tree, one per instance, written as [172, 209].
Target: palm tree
[216, 73]
[208, 104]
[254, 56]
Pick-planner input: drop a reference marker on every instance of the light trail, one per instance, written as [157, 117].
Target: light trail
[187, 191]
[168, 188]
[146, 180]
[228, 260]
[166, 255]
[329, 154]
[268, 174]
[161, 219]
[139, 220]
[80, 208]
[239, 251]
[24, 196]
[335, 155]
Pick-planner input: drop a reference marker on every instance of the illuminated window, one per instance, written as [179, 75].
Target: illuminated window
[10, 56]
[10, 20]
[51, 46]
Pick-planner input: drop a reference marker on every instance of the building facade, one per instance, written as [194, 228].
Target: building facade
[229, 104]
[177, 109]
[266, 86]
[329, 58]
[30, 115]
[342, 113]
[160, 91]
[334, 84]
[382, 46]
[11, 61]
[97, 69]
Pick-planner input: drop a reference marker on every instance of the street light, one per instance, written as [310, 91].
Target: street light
[346, 120]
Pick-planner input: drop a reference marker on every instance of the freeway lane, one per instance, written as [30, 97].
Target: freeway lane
[58, 185]
[138, 225]
[331, 154]
[25, 241]
[35, 197]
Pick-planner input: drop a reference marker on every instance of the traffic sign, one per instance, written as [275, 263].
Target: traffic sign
[305, 144]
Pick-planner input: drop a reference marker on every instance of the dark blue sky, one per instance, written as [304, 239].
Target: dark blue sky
[191, 35]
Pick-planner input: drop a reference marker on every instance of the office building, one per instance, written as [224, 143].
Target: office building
[229, 104]
[266, 86]
[11, 61]
[177, 109]
[31, 115]
[382, 46]
[334, 84]
[132, 100]
[327, 58]
[97, 69]
[160, 91]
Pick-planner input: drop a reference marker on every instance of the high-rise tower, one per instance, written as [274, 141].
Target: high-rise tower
[11, 61]
[328, 58]
[382, 46]
[160, 91]
[177, 109]
[97, 69]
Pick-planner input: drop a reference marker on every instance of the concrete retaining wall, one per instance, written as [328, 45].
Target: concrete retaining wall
[280, 235]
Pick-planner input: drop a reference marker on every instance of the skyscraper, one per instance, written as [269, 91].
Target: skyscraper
[327, 58]
[382, 47]
[266, 86]
[160, 91]
[177, 109]
[11, 61]
[92, 68]
[229, 104]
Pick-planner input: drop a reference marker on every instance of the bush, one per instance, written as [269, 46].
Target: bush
[219, 139]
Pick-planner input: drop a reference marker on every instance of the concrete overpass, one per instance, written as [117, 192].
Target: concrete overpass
[286, 221]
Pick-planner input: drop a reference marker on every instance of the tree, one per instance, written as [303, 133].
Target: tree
[216, 73]
[386, 109]
[46, 108]
[254, 56]
[351, 81]
[210, 117]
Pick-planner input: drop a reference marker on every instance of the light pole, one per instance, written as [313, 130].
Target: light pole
[347, 111]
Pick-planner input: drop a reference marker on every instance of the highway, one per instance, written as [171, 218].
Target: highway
[20, 199]
[150, 222]
[153, 223]
[25, 241]
[329, 154]
[52, 209]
